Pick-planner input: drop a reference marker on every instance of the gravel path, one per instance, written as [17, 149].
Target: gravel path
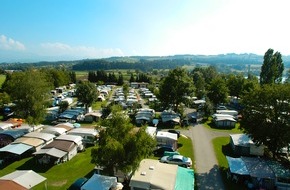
[207, 173]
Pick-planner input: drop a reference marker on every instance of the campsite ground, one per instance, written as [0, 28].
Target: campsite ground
[208, 157]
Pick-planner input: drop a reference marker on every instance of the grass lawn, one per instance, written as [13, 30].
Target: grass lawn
[185, 147]
[59, 176]
[222, 148]
[210, 125]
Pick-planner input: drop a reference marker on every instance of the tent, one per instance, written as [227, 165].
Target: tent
[25, 178]
[183, 178]
[52, 152]
[237, 166]
[258, 168]
[99, 182]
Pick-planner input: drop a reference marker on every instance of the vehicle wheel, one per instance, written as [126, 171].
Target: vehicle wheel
[185, 166]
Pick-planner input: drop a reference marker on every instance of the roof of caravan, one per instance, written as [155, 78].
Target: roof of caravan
[53, 130]
[72, 138]
[84, 131]
[165, 134]
[44, 136]
[52, 152]
[29, 141]
[153, 174]
[25, 178]
[61, 145]
[15, 133]
[16, 148]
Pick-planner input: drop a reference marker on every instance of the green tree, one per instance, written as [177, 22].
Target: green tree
[235, 84]
[120, 80]
[218, 91]
[199, 83]
[174, 87]
[59, 77]
[132, 78]
[120, 147]
[86, 93]
[29, 90]
[4, 99]
[266, 116]
[63, 105]
[272, 68]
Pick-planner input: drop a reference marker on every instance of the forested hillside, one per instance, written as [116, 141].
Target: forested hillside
[223, 63]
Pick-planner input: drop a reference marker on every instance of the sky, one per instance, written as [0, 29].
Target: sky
[52, 30]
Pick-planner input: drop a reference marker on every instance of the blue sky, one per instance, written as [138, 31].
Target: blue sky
[33, 30]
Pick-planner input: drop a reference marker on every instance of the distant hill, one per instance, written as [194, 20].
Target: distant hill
[146, 63]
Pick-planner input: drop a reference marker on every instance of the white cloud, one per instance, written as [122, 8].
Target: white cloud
[60, 49]
[10, 44]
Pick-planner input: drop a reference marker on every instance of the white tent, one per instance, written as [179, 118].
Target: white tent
[99, 182]
[25, 178]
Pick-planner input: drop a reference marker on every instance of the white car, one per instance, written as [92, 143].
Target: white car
[177, 159]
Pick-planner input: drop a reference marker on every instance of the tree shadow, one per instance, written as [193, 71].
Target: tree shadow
[228, 151]
[212, 180]
[32, 164]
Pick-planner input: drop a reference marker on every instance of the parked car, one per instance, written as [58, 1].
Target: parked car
[221, 107]
[178, 160]
[174, 131]
[159, 151]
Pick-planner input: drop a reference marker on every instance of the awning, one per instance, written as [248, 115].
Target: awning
[237, 166]
[16, 148]
[52, 152]
[184, 179]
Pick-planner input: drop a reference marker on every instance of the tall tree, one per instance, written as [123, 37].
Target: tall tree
[218, 91]
[235, 84]
[266, 116]
[272, 68]
[86, 93]
[30, 92]
[120, 147]
[120, 80]
[174, 87]
[199, 83]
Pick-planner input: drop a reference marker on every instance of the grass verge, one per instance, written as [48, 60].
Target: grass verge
[222, 148]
